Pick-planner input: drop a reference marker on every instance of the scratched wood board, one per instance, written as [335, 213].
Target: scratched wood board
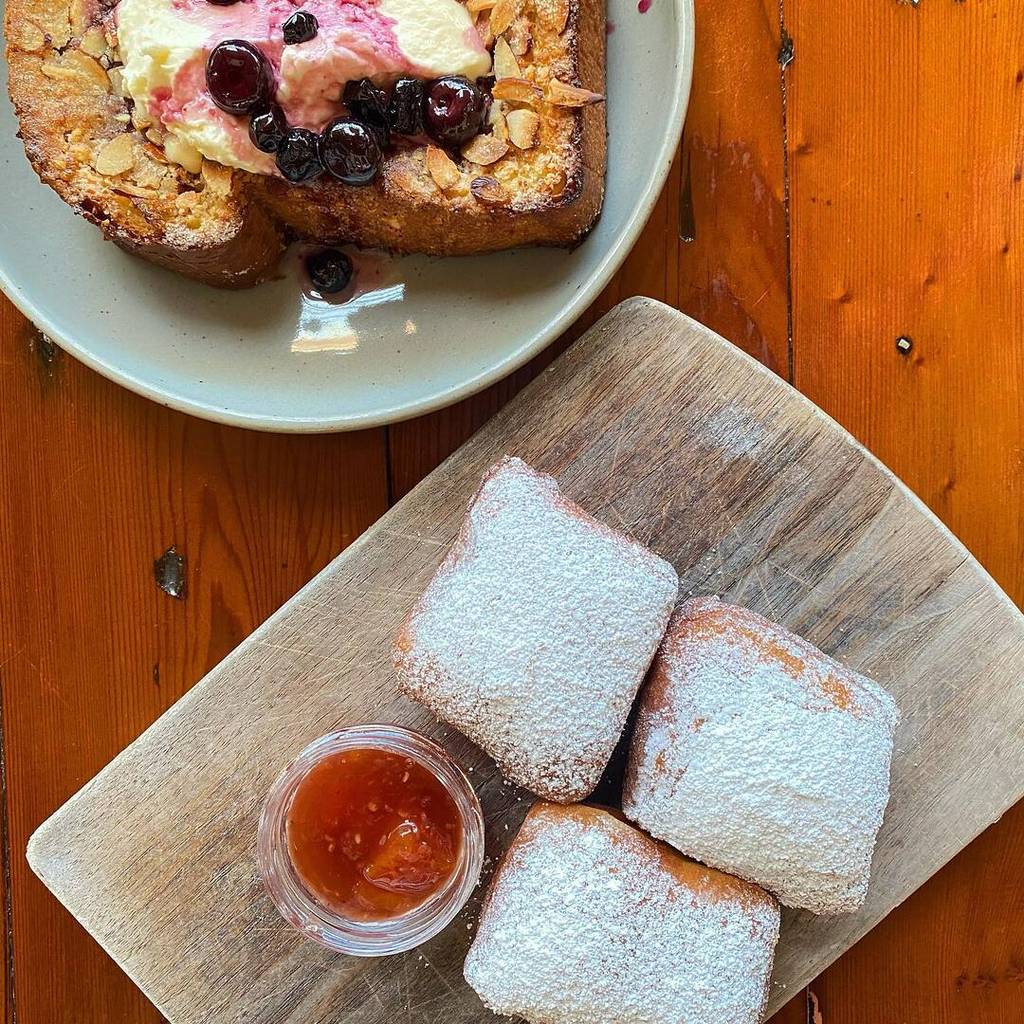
[657, 426]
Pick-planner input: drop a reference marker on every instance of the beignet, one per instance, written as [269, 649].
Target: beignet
[589, 920]
[758, 754]
[536, 632]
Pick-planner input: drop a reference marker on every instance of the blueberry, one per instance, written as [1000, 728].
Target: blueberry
[267, 128]
[239, 76]
[330, 270]
[350, 151]
[298, 155]
[369, 104]
[300, 28]
[454, 110]
[405, 111]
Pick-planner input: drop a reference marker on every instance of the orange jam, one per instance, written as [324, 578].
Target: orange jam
[372, 834]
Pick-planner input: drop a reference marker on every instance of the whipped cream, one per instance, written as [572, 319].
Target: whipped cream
[164, 45]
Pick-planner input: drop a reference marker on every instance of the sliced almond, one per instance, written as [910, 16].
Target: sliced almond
[126, 188]
[116, 81]
[519, 38]
[155, 153]
[523, 128]
[485, 149]
[441, 167]
[505, 63]
[116, 155]
[51, 69]
[59, 32]
[488, 190]
[483, 30]
[183, 153]
[496, 120]
[155, 136]
[78, 17]
[88, 68]
[476, 6]
[94, 42]
[562, 95]
[503, 13]
[28, 36]
[217, 177]
[516, 90]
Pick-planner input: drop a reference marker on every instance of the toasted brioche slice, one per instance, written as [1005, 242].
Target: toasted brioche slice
[228, 227]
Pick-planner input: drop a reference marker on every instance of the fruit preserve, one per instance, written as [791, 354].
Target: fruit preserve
[371, 840]
[372, 833]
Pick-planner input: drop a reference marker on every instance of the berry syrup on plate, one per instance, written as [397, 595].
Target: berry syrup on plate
[327, 319]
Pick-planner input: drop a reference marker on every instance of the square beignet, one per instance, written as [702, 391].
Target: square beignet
[758, 754]
[536, 632]
[589, 920]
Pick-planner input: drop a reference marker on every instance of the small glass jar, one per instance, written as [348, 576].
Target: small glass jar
[300, 908]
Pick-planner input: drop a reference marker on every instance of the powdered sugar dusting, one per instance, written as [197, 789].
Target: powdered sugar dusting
[536, 632]
[756, 753]
[589, 920]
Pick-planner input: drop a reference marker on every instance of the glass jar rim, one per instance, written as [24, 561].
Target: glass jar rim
[304, 912]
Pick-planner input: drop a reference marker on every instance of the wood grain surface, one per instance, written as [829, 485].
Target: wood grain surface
[654, 424]
[886, 156]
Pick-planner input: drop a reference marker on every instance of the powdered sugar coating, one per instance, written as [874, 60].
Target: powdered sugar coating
[589, 920]
[757, 754]
[536, 632]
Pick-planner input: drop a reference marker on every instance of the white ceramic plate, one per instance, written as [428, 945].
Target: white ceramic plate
[432, 331]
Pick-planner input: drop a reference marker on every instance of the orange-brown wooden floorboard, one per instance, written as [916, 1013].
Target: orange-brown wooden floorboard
[822, 206]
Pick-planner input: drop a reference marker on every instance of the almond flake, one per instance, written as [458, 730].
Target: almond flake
[562, 95]
[505, 63]
[485, 149]
[217, 177]
[116, 155]
[89, 68]
[78, 17]
[487, 190]
[51, 69]
[441, 168]
[183, 153]
[128, 189]
[519, 39]
[476, 6]
[116, 81]
[496, 120]
[503, 13]
[483, 30]
[30, 37]
[94, 42]
[523, 128]
[518, 90]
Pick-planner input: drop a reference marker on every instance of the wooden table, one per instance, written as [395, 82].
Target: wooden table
[846, 206]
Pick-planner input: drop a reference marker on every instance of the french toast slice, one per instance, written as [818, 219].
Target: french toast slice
[228, 227]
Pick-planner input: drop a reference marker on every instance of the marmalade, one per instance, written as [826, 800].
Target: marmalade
[372, 834]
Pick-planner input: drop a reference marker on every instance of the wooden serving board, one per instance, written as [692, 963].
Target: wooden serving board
[657, 426]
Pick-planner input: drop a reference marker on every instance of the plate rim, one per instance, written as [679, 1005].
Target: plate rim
[609, 263]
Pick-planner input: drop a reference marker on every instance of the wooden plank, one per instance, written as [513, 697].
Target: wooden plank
[95, 484]
[734, 275]
[652, 422]
[905, 128]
